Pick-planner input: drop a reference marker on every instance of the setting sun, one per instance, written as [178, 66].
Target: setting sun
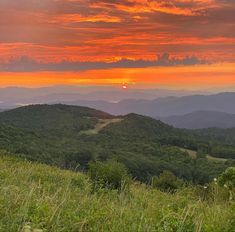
[124, 86]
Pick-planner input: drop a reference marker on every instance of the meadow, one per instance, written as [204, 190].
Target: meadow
[39, 198]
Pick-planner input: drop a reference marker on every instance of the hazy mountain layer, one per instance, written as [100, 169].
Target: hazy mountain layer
[201, 119]
[168, 106]
[18, 96]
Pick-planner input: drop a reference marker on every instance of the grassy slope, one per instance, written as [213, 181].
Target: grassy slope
[102, 123]
[193, 155]
[57, 200]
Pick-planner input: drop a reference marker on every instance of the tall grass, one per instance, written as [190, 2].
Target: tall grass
[36, 197]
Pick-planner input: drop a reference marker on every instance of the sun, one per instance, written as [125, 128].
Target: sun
[124, 86]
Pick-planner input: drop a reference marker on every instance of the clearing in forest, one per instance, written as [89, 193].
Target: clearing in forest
[193, 155]
[100, 125]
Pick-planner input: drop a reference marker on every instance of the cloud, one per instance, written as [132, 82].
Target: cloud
[175, 7]
[26, 64]
[104, 29]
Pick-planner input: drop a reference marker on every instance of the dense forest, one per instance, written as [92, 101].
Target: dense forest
[71, 137]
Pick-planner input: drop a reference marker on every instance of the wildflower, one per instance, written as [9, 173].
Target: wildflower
[225, 186]
[205, 187]
[215, 179]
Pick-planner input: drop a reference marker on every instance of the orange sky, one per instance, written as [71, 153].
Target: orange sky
[196, 77]
[173, 43]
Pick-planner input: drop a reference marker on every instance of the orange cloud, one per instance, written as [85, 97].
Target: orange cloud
[175, 7]
[76, 18]
[107, 31]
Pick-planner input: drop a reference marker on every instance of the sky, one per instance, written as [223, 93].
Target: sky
[172, 44]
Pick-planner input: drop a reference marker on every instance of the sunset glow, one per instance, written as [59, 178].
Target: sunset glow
[175, 43]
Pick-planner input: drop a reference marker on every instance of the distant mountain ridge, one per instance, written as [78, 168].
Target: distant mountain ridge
[201, 119]
[11, 97]
[167, 106]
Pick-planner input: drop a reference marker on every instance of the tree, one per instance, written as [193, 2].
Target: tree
[227, 178]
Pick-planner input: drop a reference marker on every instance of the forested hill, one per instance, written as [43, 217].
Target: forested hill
[53, 117]
[70, 137]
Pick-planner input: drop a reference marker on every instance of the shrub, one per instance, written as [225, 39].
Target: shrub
[227, 178]
[167, 182]
[110, 174]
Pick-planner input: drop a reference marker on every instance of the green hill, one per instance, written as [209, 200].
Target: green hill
[70, 137]
[40, 198]
[53, 118]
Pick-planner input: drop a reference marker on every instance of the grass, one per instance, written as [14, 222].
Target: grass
[102, 123]
[36, 197]
[193, 154]
[215, 159]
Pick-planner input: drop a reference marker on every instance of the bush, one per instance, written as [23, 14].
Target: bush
[167, 182]
[227, 178]
[110, 174]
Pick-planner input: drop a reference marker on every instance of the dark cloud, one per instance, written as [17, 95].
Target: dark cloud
[26, 64]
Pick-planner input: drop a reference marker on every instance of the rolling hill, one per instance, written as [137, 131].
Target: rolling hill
[55, 117]
[70, 137]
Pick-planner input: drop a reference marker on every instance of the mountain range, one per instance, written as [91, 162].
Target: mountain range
[167, 106]
[201, 119]
[72, 136]
[11, 97]
[182, 109]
